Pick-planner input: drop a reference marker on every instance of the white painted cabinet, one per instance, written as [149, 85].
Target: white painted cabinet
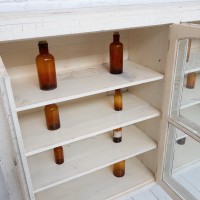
[80, 40]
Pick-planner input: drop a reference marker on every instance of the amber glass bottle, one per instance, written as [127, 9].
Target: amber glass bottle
[52, 116]
[59, 155]
[46, 67]
[118, 105]
[116, 55]
[119, 169]
[191, 78]
[117, 135]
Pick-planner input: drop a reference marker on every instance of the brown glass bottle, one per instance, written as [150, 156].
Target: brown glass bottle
[191, 78]
[116, 55]
[59, 155]
[117, 135]
[52, 116]
[118, 104]
[119, 169]
[46, 67]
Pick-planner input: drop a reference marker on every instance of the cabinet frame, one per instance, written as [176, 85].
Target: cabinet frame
[173, 91]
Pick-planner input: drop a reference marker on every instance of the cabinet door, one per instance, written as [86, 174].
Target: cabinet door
[181, 113]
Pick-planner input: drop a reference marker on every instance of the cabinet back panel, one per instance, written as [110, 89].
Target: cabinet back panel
[149, 46]
[63, 48]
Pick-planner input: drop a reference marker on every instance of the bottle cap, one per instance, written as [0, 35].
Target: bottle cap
[42, 43]
[116, 33]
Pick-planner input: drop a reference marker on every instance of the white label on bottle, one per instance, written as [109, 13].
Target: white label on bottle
[117, 134]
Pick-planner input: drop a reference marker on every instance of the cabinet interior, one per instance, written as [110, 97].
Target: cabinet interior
[85, 99]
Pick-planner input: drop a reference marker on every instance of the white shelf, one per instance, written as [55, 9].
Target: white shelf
[191, 97]
[101, 184]
[26, 25]
[78, 84]
[82, 120]
[87, 156]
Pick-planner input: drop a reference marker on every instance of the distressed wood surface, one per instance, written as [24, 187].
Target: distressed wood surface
[24, 25]
[8, 159]
[101, 184]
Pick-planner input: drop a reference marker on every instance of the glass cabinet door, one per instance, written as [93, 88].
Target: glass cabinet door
[181, 168]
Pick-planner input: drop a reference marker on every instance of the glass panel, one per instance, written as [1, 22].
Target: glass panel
[186, 96]
[182, 166]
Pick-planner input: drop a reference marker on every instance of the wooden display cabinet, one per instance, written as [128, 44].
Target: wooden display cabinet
[85, 99]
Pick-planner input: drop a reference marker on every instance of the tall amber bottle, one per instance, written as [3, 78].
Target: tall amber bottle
[116, 55]
[117, 135]
[119, 169]
[59, 155]
[46, 67]
[191, 79]
[52, 116]
[118, 104]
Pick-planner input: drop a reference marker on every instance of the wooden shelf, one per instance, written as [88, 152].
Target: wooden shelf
[82, 120]
[191, 97]
[101, 184]
[76, 84]
[87, 156]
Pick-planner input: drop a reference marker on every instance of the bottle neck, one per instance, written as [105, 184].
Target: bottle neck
[43, 50]
[118, 92]
[116, 38]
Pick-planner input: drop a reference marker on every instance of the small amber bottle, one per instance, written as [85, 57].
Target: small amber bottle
[46, 67]
[191, 78]
[52, 116]
[119, 169]
[59, 155]
[117, 135]
[118, 104]
[116, 55]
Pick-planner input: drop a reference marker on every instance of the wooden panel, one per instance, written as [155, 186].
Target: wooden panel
[144, 48]
[77, 51]
[82, 120]
[81, 83]
[87, 156]
[101, 184]
[26, 25]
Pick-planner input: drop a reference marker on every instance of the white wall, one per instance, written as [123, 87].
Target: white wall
[26, 5]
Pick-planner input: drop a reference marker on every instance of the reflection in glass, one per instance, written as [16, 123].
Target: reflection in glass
[186, 164]
[186, 103]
